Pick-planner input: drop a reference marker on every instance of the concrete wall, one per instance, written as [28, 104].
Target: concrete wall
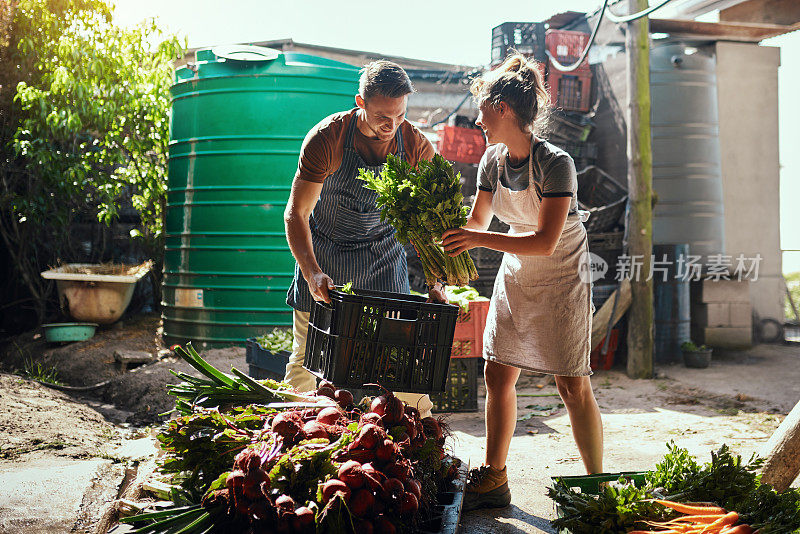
[747, 87]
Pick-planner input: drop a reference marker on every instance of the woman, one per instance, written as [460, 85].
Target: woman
[540, 314]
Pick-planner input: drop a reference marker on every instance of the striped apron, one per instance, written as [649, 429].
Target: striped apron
[350, 242]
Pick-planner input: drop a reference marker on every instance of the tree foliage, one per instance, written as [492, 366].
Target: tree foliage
[85, 122]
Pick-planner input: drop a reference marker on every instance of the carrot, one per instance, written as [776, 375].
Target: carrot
[729, 519]
[710, 518]
[692, 509]
[738, 529]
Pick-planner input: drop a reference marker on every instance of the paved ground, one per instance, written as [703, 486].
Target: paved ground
[60, 475]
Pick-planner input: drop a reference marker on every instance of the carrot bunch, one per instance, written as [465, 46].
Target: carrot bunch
[698, 520]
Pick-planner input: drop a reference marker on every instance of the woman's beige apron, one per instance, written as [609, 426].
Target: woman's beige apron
[540, 316]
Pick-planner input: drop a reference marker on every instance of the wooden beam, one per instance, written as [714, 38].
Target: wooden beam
[640, 193]
[782, 453]
[720, 31]
[602, 318]
[781, 12]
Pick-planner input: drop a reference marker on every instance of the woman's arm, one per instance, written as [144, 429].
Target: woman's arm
[481, 214]
[552, 216]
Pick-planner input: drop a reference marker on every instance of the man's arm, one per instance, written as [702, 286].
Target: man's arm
[302, 199]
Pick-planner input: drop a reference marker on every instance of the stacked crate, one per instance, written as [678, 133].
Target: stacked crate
[527, 38]
[457, 143]
[722, 314]
[466, 362]
[569, 90]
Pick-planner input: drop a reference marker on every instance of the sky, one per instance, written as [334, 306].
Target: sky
[450, 31]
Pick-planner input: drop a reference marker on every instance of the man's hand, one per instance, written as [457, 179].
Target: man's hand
[319, 284]
[457, 240]
[437, 294]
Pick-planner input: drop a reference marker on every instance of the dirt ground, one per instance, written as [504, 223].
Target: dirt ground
[739, 400]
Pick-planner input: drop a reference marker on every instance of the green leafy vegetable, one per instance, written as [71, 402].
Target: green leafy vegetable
[421, 203]
[280, 339]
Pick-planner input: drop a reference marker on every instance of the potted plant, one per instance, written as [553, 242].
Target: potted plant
[694, 356]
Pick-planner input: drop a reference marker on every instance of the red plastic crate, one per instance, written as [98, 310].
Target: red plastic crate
[607, 360]
[468, 337]
[570, 90]
[465, 145]
[567, 46]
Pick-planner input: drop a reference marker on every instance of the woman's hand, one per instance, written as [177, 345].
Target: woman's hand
[457, 240]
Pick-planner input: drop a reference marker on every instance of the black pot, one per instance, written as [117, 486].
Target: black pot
[697, 359]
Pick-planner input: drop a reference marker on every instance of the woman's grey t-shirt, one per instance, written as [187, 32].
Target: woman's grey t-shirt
[553, 172]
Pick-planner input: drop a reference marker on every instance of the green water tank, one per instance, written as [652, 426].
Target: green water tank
[239, 116]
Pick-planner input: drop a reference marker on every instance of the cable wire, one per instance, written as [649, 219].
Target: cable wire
[585, 52]
[635, 16]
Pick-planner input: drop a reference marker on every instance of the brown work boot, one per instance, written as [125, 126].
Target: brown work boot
[486, 487]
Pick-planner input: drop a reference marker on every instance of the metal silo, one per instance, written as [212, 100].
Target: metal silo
[687, 177]
[239, 116]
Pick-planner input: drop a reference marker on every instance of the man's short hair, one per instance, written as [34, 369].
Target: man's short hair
[384, 78]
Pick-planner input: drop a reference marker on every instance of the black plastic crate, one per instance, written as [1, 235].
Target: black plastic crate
[577, 149]
[597, 188]
[605, 241]
[399, 341]
[524, 37]
[603, 197]
[263, 363]
[461, 393]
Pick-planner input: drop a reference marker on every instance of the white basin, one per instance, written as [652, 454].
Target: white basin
[96, 298]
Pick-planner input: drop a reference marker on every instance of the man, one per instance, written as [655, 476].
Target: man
[332, 223]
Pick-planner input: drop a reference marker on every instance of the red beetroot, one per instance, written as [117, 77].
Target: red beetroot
[367, 437]
[285, 503]
[314, 429]
[378, 405]
[332, 487]
[343, 397]
[325, 391]
[408, 503]
[329, 415]
[392, 489]
[351, 474]
[385, 451]
[384, 526]
[395, 409]
[373, 478]
[364, 526]
[303, 520]
[411, 428]
[370, 417]
[234, 480]
[287, 424]
[399, 470]
[361, 455]
[413, 485]
[433, 428]
[361, 502]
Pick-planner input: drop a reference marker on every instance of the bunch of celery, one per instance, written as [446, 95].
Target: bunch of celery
[421, 203]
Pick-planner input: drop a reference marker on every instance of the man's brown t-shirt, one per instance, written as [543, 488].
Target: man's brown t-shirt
[323, 146]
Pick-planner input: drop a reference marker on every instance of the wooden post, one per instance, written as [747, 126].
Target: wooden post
[782, 453]
[640, 191]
